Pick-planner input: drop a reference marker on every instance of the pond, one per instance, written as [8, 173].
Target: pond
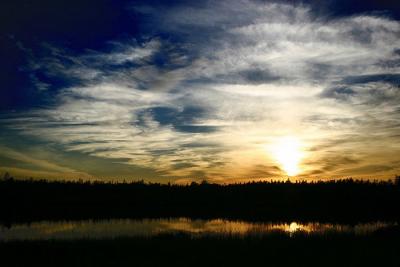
[114, 228]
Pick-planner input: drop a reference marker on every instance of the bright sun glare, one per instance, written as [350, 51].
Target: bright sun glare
[287, 152]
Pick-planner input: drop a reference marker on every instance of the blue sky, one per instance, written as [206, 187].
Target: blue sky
[219, 90]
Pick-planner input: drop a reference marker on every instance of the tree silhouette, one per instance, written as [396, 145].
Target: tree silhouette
[337, 200]
[397, 180]
[7, 177]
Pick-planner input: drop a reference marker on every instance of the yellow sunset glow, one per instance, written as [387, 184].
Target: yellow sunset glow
[288, 154]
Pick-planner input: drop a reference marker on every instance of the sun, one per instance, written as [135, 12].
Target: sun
[287, 152]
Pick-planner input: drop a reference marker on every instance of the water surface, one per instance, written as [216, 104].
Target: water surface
[102, 229]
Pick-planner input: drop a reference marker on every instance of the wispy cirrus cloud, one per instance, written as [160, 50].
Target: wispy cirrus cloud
[238, 76]
[32, 166]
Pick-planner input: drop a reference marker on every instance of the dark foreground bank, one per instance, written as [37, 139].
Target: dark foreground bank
[335, 201]
[278, 249]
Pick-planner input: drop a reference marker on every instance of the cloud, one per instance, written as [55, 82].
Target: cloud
[236, 77]
[123, 53]
[37, 167]
[38, 174]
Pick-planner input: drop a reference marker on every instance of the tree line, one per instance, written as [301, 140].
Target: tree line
[345, 200]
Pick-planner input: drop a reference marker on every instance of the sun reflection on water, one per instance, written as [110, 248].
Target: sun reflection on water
[151, 227]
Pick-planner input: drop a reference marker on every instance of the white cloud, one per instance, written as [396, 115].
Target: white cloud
[259, 72]
[123, 53]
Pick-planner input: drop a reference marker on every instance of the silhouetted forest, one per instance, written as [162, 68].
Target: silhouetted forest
[348, 201]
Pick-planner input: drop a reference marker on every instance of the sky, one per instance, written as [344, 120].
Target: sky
[181, 91]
